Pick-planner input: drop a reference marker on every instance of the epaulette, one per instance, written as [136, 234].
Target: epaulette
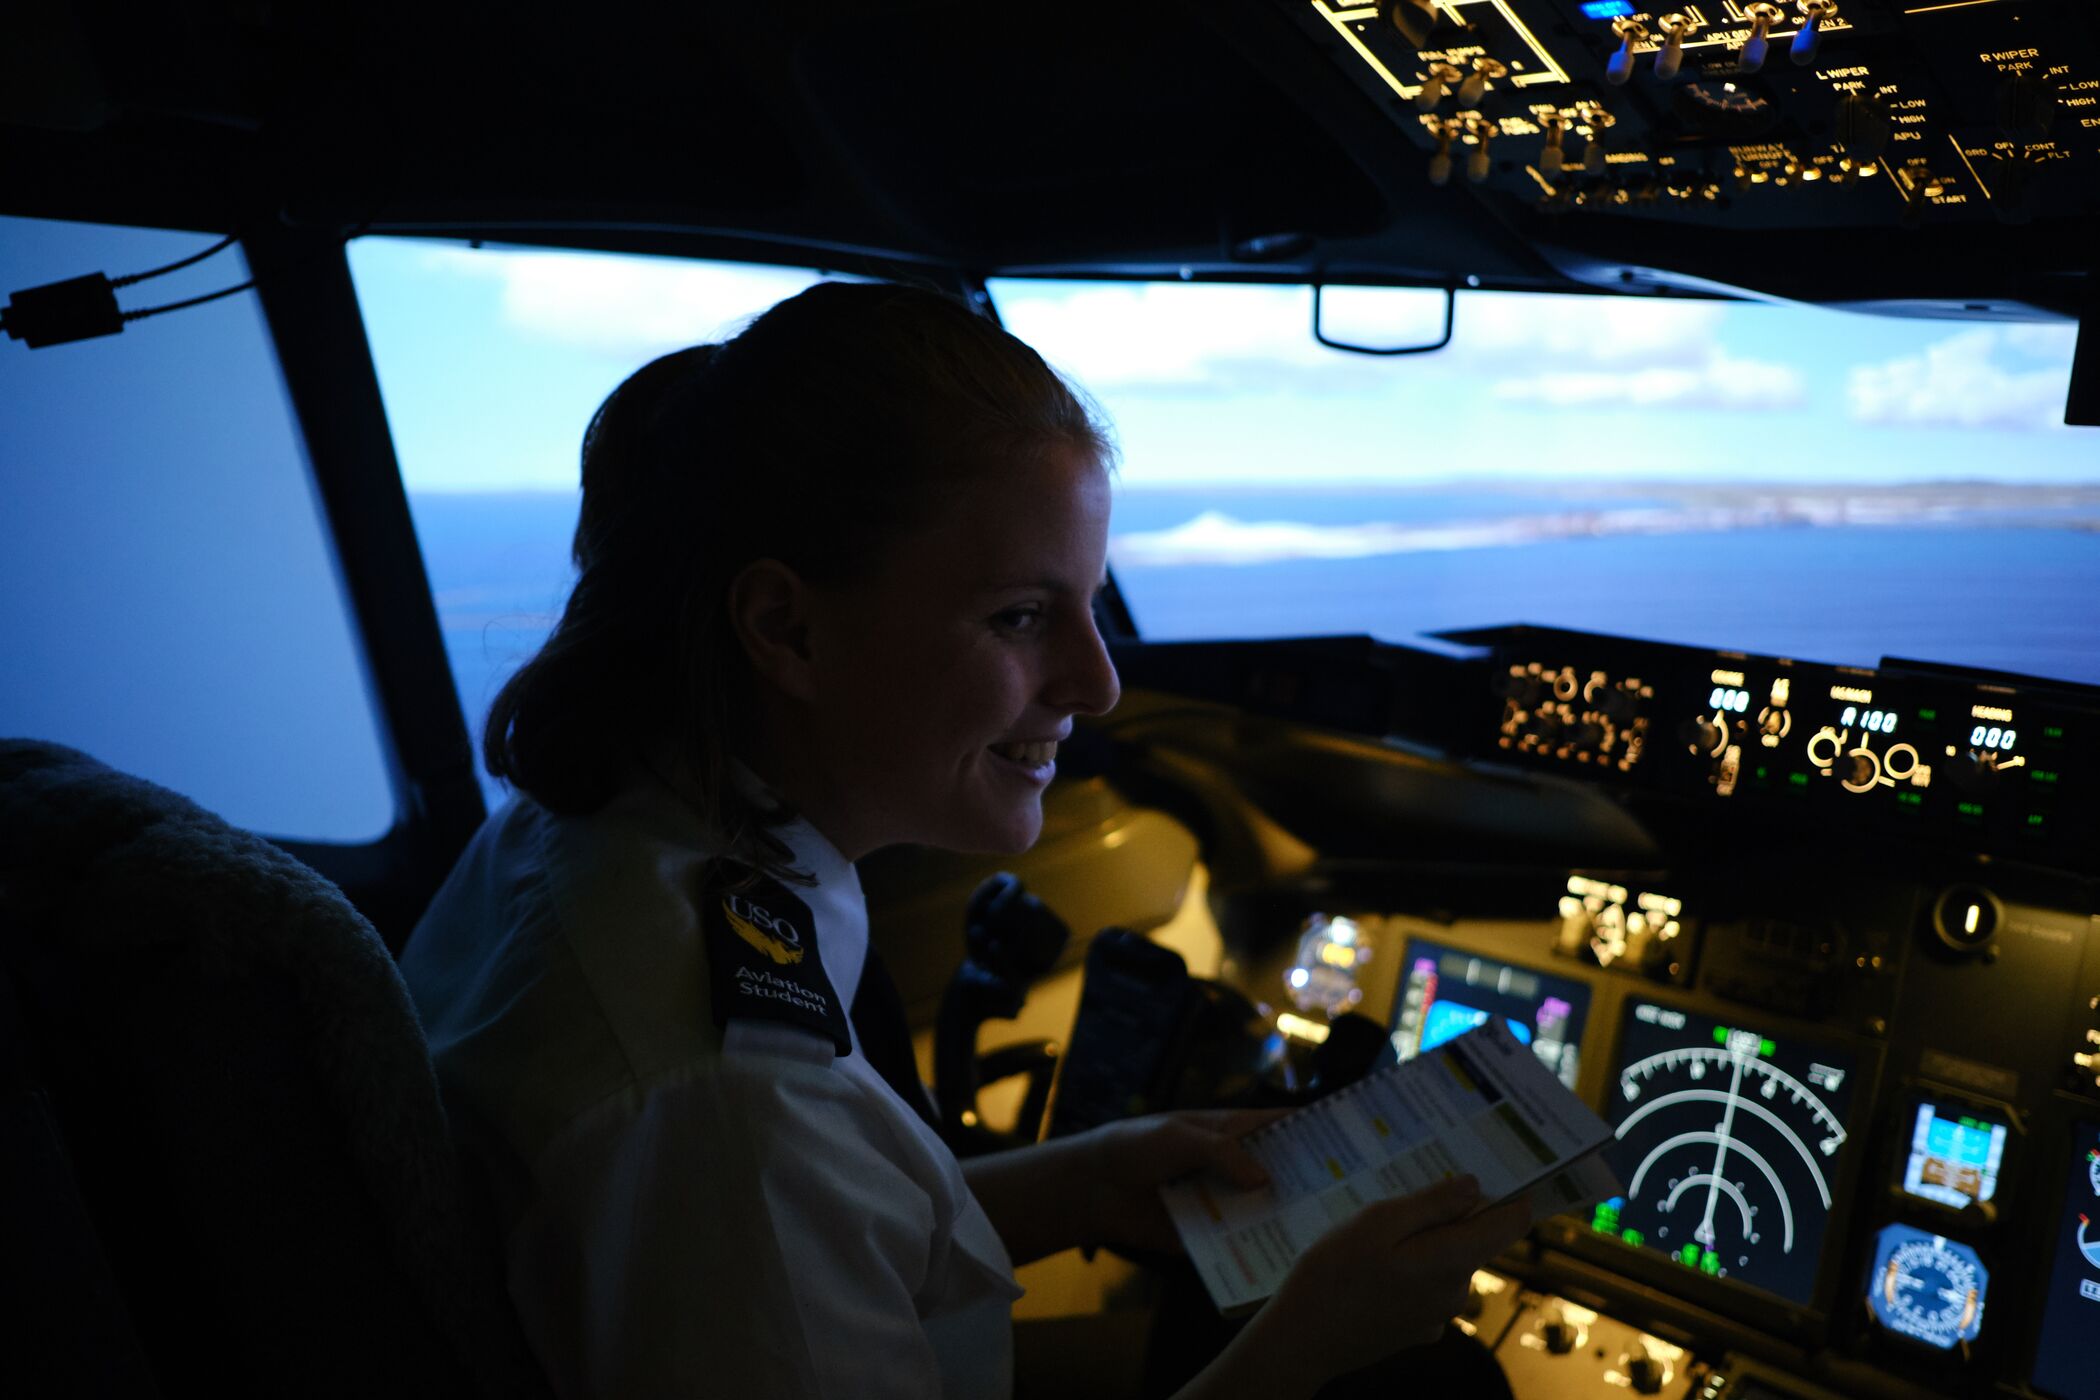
[762, 957]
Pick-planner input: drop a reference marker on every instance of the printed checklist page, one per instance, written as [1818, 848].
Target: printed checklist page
[1479, 1105]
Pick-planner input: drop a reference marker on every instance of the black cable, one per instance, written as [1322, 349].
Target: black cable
[218, 247]
[193, 301]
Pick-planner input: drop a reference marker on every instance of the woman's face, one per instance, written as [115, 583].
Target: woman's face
[941, 686]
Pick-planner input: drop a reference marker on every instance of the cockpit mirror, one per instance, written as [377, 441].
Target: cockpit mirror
[1383, 320]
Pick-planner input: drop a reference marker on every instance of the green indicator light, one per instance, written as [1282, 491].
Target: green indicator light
[1720, 1035]
[1689, 1255]
[1970, 809]
[1968, 1122]
[2034, 819]
[1633, 1237]
[2043, 775]
[1928, 714]
[1760, 772]
[1910, 799]
[1710, 1264]
[1765, 1047]
[2052, 731]
[1798, 779]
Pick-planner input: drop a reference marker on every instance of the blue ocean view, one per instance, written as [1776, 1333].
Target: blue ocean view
[1999, 582]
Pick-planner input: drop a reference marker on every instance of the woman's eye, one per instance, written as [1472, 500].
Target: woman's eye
[1021, 619]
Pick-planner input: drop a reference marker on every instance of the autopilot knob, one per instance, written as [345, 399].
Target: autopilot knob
[1861, 767]
[1559, 1334]
[1762, 16]
[1645, 1372]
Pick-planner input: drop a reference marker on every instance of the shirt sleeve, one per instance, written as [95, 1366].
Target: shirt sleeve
[745, 1227]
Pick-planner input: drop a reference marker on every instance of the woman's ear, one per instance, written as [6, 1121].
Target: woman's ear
[769, 608]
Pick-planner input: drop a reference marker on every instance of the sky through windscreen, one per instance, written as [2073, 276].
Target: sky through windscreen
[1773, 478]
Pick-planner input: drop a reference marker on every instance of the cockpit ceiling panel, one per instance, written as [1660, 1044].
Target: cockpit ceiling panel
[1284, 138]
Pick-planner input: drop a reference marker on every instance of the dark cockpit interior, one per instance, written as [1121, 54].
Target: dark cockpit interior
[1607, 539]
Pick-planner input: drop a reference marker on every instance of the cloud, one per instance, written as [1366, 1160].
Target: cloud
[1961, 382]
[1720, 382]
[624, 306]
[1213, 339]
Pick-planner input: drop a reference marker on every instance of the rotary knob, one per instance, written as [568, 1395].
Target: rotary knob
[1645, 1372]
[1704, 735]
[1559, 1334]
[1862, 126]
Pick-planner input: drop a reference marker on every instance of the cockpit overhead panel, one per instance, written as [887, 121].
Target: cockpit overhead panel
[1741, 113]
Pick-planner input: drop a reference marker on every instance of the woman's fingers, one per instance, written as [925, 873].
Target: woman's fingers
[1390, 1222]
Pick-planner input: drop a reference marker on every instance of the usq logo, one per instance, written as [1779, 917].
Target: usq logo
[777, 938]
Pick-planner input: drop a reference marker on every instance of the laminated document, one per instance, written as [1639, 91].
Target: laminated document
[1479, 1105]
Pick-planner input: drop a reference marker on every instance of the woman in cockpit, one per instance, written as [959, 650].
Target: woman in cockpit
[835, 594]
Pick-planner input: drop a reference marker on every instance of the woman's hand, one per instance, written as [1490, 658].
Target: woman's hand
[1387, 1279]
[1129, 1161]
[1102, 1186]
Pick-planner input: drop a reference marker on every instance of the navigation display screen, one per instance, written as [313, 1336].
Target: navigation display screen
[2068, 1355]
[1445, 992]
[1955, 1154]
[1730, 1142]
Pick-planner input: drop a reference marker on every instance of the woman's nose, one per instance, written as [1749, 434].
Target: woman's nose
[1087, 683]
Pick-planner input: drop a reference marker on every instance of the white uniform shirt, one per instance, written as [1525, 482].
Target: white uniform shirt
[691, 1209]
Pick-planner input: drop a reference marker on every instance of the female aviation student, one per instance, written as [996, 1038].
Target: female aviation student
[835, 594]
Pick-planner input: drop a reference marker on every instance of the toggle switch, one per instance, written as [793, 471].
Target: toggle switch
[1620, 68]
[1413, 20]
[1816, 18]
[1478, 165]
[1436, 85]
[1554, 158]
[1762, 16]
[1676, 29]
[1485, 71]
[1440, 163]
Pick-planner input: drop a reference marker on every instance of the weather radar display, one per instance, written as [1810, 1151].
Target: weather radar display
[1926, 1287]
[1730, 1143]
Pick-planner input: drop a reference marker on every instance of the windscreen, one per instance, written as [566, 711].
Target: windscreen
[1780, 479]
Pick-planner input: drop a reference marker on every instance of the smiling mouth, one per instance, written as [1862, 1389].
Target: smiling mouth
[1035, 755]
